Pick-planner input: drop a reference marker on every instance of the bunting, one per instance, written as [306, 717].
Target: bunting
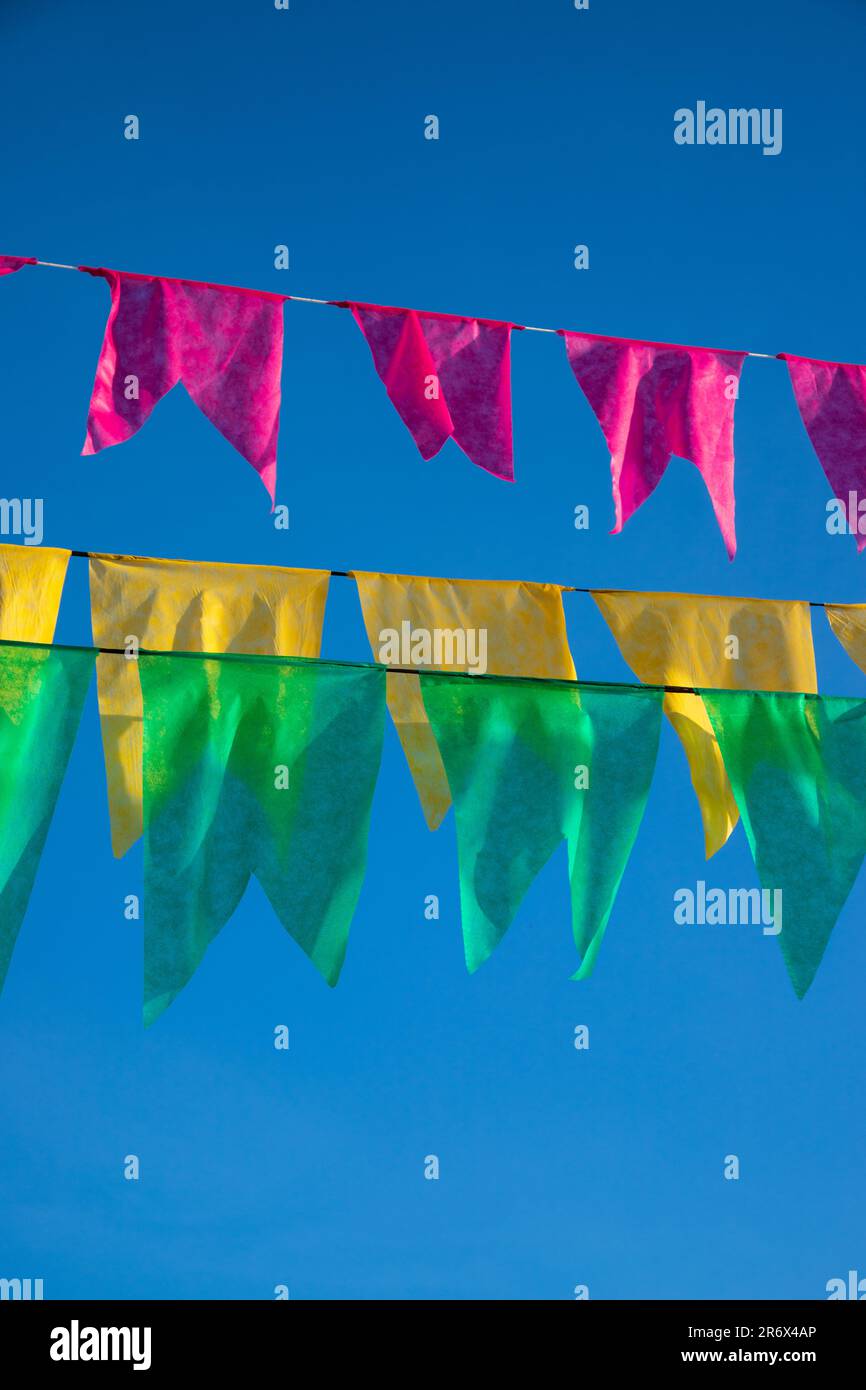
[446, 376]
[246, 773]
[484, 626]
[183, 605]
[224, 344]
[798, 771]
[31, 587]
[831, 398]
[42, 692]
[9, 264]
[700, 640]
[449, 376]
[254, 766]
[653, 400]
[848, 621]
[528, 766]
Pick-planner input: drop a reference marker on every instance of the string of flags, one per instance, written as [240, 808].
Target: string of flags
[225, 737]
[449, 377]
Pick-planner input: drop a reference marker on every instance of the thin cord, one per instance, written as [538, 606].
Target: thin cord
[432, 671]
[425, 671]
[392, 670]
[306, 299]
[564, 588]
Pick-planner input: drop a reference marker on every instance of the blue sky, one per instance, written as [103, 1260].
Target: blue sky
[558, 1167]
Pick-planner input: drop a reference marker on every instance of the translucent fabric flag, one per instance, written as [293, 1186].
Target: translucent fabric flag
[798, 769]
[31, 587]
[831, 399]
[446, 376]
[702, 640]
[9, 264]
[848, 621]
[497, 627]
[224, 344]
[42, 692]
[182, 605]
[253, 765]
[530, 764]
[653, 400]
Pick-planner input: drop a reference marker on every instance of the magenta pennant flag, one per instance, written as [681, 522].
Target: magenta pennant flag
[9, 264]
[224, 344]
[653, 400]
[448, 377]
[831, 398]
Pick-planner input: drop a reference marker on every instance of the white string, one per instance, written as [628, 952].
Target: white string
[305, 299]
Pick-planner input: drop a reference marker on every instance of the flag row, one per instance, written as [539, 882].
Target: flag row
[267, 766]
[449, 377]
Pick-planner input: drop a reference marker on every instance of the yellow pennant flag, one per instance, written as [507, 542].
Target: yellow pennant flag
[848, 621]
[722, 643]
[507, 628]
[31, 586]
[183, 605]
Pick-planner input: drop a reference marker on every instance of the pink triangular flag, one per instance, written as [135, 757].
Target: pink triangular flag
[447, 376]
[653, 400]
[831, 398]
[9, 264]
[224, 344]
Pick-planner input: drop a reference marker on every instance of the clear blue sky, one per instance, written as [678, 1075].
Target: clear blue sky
[558, 1167]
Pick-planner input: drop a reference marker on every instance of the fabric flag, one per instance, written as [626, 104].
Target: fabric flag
[182, 605]
[31, 587]
[9, 264]
[42, 692]
[848, 621]
[702, 640]
[254, 766]
[831, 399]
[529, 765]
[224, 344]
[447, 376]
[653, 400]
[504, 628]
[798, 769]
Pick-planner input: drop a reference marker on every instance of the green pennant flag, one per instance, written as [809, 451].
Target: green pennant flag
[797, 767]
[530, 764]
[253, 765]
[42, 691]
